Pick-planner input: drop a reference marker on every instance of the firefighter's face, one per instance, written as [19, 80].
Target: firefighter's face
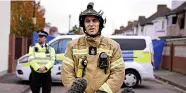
[41, 39]
[91, 25]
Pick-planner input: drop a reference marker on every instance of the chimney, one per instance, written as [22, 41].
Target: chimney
[130, 22]
[122, 27]
[161, 8]
[141, 18]
[135, 22]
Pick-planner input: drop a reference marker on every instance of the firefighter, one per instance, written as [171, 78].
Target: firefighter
[41, 59]
[95, 58]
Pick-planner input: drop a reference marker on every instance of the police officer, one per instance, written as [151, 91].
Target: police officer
[96, 58]
[42, 57]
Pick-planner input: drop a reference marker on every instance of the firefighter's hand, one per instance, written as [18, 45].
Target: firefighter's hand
[42, 69]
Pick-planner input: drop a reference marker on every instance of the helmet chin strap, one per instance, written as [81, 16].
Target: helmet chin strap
[97, 34]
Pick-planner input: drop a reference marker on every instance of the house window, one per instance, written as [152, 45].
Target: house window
[182, 22]
[163, 24]
[142, 28]
[137, 30]
[174, 19]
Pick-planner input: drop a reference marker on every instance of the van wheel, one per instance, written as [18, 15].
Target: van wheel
[132, 79]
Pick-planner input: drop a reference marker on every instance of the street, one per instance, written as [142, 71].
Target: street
[146, 87]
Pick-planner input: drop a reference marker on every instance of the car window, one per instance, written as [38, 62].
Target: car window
[62, 45]
[55, 45]
[23, 59]
[131, 44]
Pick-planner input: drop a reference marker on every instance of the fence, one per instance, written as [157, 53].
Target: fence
[174, 56]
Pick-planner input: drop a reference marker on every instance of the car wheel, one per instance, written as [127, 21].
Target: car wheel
[132, 79]
[29, 79]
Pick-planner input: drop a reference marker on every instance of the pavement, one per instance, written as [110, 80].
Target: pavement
[153, 86]
[176, 79]
[9, 83]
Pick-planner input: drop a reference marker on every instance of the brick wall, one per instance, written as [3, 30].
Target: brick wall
[174, 57]
[18, 46]
[174, 29]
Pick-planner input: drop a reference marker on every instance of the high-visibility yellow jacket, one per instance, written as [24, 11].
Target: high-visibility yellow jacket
[96, 77]
[40, 58]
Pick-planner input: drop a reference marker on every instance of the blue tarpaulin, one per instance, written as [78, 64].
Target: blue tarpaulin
[158, 50]
[35, 35]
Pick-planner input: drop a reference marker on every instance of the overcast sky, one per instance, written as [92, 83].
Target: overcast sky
[117, 12]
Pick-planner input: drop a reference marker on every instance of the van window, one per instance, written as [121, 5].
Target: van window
[131, 44]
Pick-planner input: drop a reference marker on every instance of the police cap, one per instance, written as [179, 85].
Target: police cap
[42, 33]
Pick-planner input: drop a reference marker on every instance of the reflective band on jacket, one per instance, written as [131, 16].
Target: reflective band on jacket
[34, 65]
[80, 51]
[85, 51]
[38, 58]
[117, 63]
[106, 87]
[41, 62]
[68, 61]
[142, 56]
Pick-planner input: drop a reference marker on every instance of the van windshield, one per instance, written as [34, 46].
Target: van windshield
[131, 44]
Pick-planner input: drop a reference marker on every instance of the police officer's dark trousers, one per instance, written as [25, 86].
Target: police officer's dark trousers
[41, 80]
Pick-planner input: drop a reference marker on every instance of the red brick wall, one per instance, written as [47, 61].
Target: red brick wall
[179, 65]
[12, 53]
[174, 57]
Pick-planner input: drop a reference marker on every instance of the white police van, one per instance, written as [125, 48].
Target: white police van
[137, 53]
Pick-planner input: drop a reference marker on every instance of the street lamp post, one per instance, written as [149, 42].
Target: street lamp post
[69, 21]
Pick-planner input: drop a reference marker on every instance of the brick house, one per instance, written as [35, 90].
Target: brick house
[174, 55]
[176, 21]
[154, 26]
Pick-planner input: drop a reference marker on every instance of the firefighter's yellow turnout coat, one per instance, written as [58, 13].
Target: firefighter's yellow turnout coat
[97, 79]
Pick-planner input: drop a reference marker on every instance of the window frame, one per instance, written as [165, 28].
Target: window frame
[121, 46]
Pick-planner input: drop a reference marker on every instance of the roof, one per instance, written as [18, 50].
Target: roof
[181, 8]
[118, 31]
[141, 20]
[130, 26]
[162, 10]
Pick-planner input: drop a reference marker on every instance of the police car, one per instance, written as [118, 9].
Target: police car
[137, 54]
[59, 44]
